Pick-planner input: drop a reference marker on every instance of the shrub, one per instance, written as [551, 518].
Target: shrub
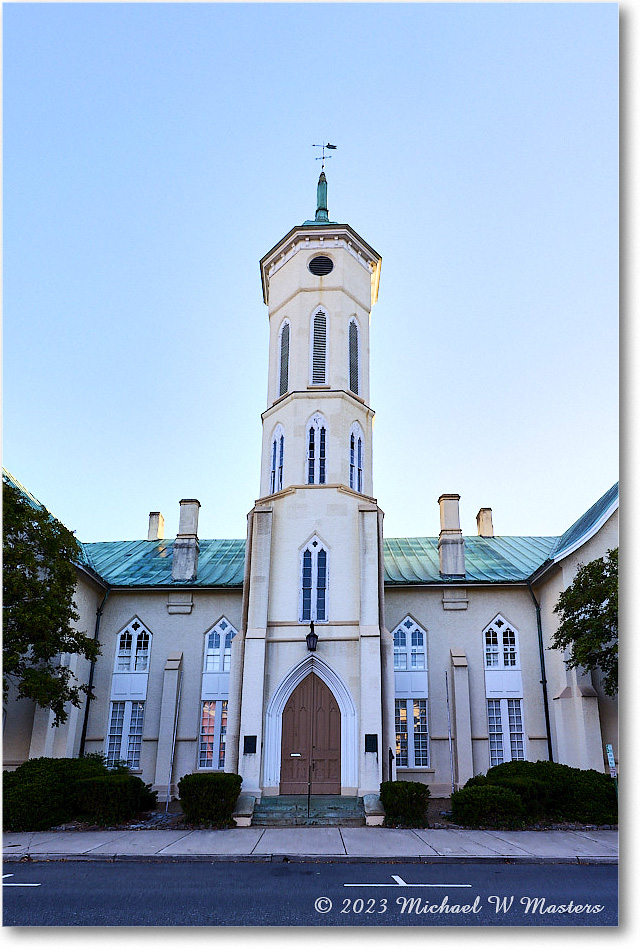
[559, 792]
[489, 805]
[110, 799]
[43, 792]
[405, 803]
[209, 798]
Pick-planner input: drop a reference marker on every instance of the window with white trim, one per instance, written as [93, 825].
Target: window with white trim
[284, 357]
[353, 356]
[411, 733]
[316, 443]
[276, 460]
[211, 750]
[218, 647]
[500, 645]
[318, 357]
[125, 733]
[134, 644]
[505, 730]
[314, 582]
[356, 457]
[409, 646]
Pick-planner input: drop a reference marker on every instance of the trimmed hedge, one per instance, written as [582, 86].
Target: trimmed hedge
[110, 799]
[554, 791]
[44, 792]
[405, 803]
[209, 798]
[486, 805]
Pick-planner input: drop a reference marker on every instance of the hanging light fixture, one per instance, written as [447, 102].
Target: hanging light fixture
[312, 639]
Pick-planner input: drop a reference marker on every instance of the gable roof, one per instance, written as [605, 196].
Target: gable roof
[587, 524]
[149, 563]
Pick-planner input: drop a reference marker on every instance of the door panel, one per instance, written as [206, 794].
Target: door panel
[311, 740]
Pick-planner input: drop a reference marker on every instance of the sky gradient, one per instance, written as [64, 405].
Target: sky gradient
[153, 153]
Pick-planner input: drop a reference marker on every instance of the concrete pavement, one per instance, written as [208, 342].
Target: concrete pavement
[424, 845]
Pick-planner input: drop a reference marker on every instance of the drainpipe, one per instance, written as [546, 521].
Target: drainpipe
[542, 665]
[83, 734]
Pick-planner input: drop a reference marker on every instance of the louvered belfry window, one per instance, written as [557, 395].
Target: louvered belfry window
[353, 344]
[285, 356]
[319, 348]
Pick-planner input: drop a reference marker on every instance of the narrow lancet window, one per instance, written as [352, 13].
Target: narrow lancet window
[353, 356]
[285, 358]
[319, 342]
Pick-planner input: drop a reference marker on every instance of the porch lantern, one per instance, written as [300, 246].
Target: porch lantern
[312, 639]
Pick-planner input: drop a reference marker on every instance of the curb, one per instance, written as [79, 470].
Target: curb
[310, 859]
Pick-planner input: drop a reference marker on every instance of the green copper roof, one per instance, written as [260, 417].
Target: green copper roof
[494, 560]
[587, 524]
[149, 563]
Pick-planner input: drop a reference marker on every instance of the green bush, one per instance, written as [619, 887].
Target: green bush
[110, 799]
[405, 803]
[209, 798]
[43, 792]
[559, 792]
[486, 805]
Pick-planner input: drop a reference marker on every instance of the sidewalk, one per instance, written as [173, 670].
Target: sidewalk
[424, 846]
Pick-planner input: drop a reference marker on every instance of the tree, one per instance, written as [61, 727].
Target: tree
[589, 628]
[39, 610]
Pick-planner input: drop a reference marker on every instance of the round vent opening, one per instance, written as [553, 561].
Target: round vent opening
[320, 266]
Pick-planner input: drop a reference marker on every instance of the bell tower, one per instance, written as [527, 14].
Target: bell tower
[314, 549]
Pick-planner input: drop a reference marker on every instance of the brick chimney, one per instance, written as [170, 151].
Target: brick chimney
[485, 523]
[156, 530]
[451, 540]
[185, 556]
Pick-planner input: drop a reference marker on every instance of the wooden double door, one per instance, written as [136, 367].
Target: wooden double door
[311, 740]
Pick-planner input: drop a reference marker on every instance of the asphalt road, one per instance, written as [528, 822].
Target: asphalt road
[197, 894]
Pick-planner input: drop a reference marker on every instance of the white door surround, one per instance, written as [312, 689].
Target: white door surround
[274, 713]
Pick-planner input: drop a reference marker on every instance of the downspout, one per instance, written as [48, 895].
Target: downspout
[83, 734]
[542, 666]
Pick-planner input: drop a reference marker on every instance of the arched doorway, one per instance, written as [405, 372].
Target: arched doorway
[311, 740]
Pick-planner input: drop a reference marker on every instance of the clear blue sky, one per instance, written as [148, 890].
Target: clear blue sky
[153, 153]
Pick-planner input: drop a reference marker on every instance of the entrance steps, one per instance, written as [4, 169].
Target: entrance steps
[326, 811]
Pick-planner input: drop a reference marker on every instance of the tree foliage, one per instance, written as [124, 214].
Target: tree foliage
[589, 624]
[39, 611]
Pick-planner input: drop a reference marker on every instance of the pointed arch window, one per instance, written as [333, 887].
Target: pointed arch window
[353, 355]
[356, 458]
[276, 463]
[218, 647]
[410, 646]
[500, 645]
[319, 348]
[284, 358]
[133, 649]
[316, 441]
[314, 582]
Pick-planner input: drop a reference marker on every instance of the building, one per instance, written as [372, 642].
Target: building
[317, 653]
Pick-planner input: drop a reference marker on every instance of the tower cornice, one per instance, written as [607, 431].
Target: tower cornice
[304, 236]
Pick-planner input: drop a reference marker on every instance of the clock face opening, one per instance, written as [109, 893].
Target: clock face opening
[320, 266]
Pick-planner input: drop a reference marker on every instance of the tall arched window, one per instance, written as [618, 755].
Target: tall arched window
[276, 460]
[353, 355]
[128, 695]
[356, 457]
[411, 695]
[316, 443]
[314, 582]
[284, 358]
[504, 692]
[214, 695]
[319, 348]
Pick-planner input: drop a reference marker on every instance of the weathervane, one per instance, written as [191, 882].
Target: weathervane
[321, 158]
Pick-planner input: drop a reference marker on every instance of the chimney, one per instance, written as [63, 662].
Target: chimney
[185, 557]
[485, 523]
[451, 541]
[156, 530]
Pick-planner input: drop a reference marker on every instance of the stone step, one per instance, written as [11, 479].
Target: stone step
[329, 811]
